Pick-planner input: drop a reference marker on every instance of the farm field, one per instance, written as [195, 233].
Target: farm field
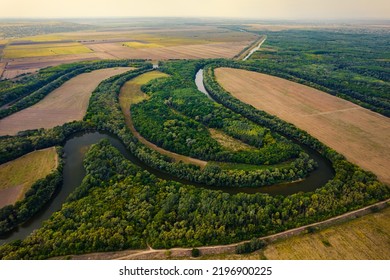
[17, 176]
[357, 133]
[67, 103]
[211, 50]
[50, 49]
[131, 94]
[31, 53]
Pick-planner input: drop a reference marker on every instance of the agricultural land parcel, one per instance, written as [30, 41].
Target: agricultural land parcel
[67, 103]
[357, 133]
[17, 176]
[146, 43]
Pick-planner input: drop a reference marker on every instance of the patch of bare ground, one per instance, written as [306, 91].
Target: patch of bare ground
[67, 103]
[361, 135]
[131, 94]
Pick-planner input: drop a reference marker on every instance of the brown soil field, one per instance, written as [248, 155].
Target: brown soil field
[19, 66]
[115, 50]
[361, 135]
[17, 176]
[67, 103]
[214, 50]
[131, 94]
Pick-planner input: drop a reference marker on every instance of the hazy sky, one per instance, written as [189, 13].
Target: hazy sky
[289, 9]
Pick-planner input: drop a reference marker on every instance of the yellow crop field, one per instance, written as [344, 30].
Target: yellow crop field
[139, 45]
[34, 50]
[17, 176]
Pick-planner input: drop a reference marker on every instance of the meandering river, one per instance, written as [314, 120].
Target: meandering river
[74, 172]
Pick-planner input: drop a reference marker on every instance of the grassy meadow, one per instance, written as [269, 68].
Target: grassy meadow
[17, 176]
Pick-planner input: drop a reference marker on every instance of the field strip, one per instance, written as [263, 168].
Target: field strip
[67, 103]
[359, 134]
[131, 94]
[230, 248]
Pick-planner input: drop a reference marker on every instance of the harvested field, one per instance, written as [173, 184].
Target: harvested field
[361, 135]
[156, 43]
[116, 50]
[131, 94]
[67, 103]
[19, 66]
[35, 50]
[366, 238]
[17, 176]
[172, 35]
[214, 50]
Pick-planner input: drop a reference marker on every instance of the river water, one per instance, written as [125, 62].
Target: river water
[74, 172]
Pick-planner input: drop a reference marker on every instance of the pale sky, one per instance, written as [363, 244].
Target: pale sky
[266, 9]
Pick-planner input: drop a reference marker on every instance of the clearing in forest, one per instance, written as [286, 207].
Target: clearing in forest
[17, 176]
[131, 93]
[361, 135]
[67, 103]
